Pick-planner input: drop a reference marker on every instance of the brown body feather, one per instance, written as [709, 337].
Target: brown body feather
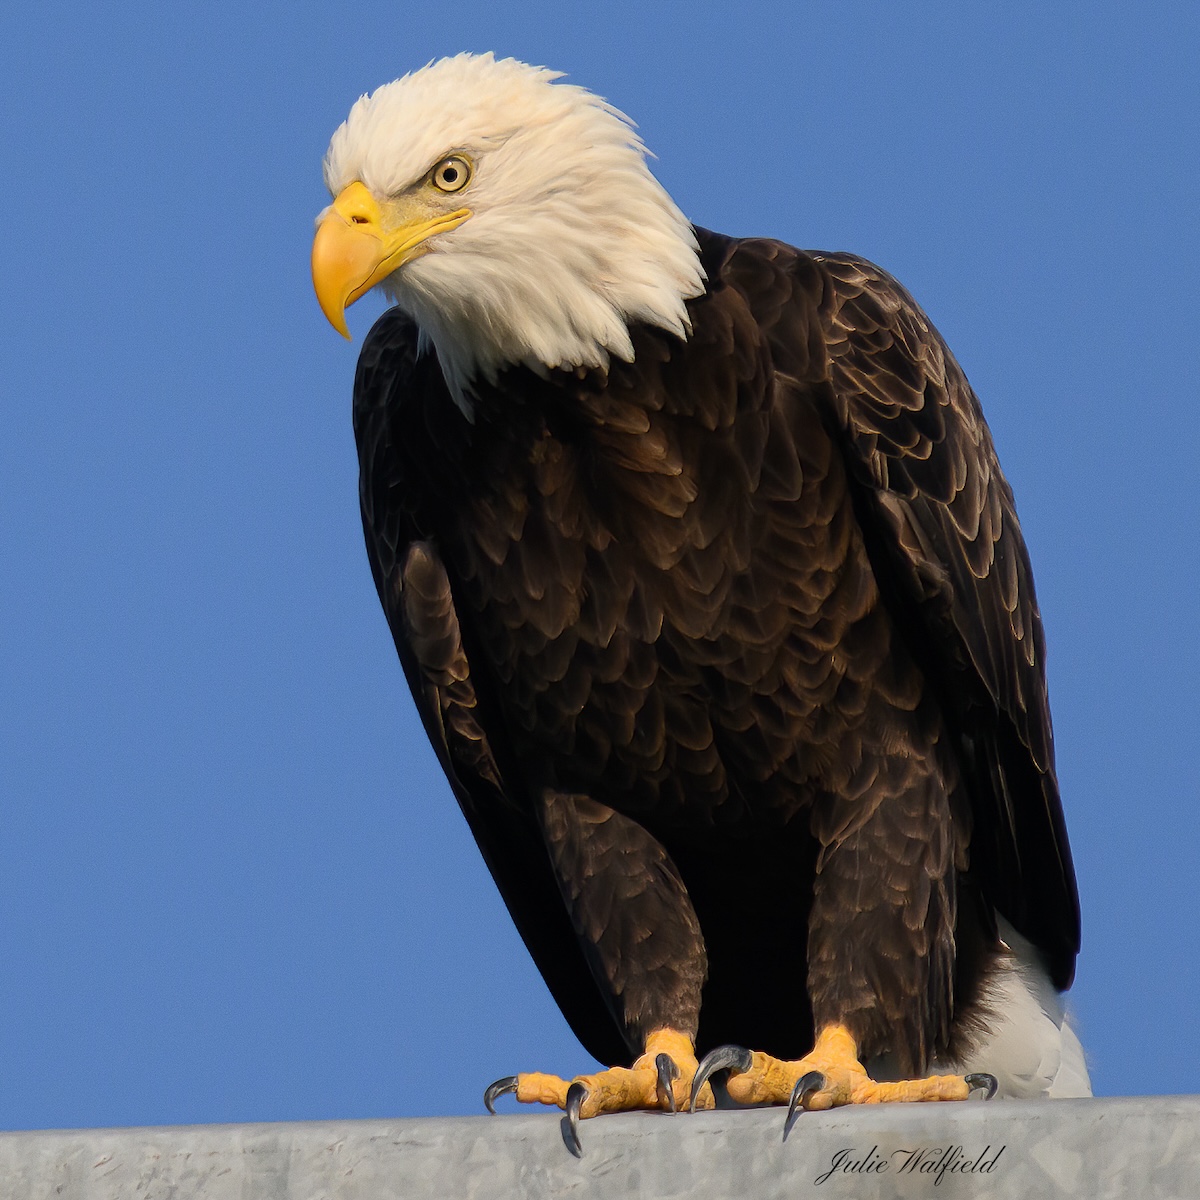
[733, 660]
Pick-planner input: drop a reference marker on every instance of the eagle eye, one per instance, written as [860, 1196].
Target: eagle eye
[451, 174]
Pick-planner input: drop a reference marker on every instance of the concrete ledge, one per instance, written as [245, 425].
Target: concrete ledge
[1094, 1148]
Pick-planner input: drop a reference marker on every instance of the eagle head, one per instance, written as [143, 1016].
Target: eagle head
[512, 217]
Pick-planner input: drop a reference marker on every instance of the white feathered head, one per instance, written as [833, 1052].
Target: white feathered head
[514, 218]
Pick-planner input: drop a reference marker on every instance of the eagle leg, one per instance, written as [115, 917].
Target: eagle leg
[660, 1080]
[842, 1078]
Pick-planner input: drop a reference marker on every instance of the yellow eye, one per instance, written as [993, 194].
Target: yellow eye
[451, 174]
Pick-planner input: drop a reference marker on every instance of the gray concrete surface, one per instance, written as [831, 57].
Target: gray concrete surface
[1130, 1147]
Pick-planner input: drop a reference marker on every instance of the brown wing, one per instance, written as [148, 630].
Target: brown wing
[946, 546]
[408, 432]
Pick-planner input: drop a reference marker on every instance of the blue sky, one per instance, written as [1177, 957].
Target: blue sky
[233, 886]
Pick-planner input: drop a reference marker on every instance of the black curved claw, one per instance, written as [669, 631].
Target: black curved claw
[667, 1073]
[496, 1090]
[814, 1081]
[723, 1058]
[982, 1080]
[576, 1095]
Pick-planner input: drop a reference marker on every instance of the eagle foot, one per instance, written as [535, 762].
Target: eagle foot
[660, 1081]
[829, 1076]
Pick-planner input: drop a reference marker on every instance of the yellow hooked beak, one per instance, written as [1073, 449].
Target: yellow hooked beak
[356, 247]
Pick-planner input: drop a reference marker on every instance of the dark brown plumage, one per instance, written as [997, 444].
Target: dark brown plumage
[733, 660]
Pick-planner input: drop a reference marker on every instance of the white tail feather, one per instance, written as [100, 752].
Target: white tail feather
[1030, 1046]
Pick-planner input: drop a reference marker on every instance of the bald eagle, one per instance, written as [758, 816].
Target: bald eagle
[714, 603]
